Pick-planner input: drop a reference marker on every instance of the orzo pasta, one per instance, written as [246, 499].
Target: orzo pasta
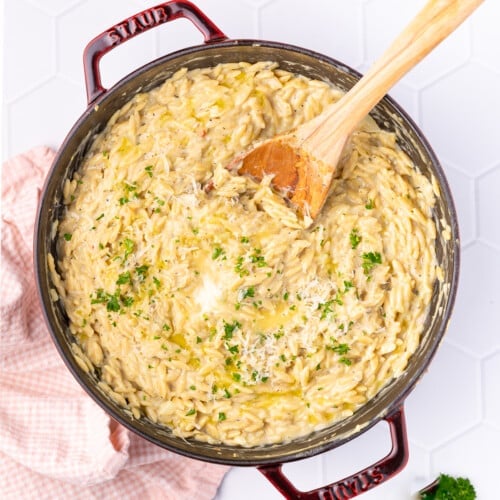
[213, 311]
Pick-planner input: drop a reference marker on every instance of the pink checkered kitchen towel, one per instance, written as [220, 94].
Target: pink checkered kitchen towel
[55, 442]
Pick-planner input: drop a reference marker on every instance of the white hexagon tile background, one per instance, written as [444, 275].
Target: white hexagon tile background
[453, 415]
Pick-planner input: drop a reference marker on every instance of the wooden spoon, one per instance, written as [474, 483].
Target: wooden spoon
[303, 162]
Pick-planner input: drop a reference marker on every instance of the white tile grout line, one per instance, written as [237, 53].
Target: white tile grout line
[480, 238]
[39, 83]
[364, 38]
[444, 444]
[486, 359]
[475, 207]
[47, 11]
[257, 20]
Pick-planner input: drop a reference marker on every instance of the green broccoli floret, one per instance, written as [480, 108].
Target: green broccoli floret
[449, 488]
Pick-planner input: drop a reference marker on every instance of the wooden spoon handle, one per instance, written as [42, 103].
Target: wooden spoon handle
[432, 24]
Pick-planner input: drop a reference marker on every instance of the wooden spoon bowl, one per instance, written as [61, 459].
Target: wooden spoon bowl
[304, 161]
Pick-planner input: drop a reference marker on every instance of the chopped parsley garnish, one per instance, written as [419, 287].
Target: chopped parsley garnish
[123, 200]
[222, 416]
[124, 278]
[198, 340]
[257, 258]
[248, 292]
[227, 394]
[229, 329]
[165, 327]
[130, 187]
[325, 308]
[149, 170]
[234, 349]
[217, 252]
[370, 260]
[100, 297]
[113, 304]
[237, 377]
[100, 217]
[370, 204]
[129, 248]
[67, 236]
[192, 411]
[156, 281]
[141, 271]
[113, 301]
[279, 334]
[126, 300]
[348, 285]
[354, 238]
[244, 239]
[340, 349]
[238, 268]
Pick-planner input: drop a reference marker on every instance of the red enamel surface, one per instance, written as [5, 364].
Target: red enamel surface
[141, 22]
[354, 485]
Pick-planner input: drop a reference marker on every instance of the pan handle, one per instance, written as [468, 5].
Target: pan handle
[143, 21]
[358, 483]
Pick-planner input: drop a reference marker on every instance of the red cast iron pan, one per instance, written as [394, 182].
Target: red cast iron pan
[217, 48]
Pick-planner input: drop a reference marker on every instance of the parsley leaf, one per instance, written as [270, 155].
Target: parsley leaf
[238, 268]
[126, 300]
[354, 238]
[340, 349]
[129, 248]
[218, 251]
[229, 329]
[257, 258]
[141, 271]
[248, 292]
[370, 260]
[325, 308]
[113, 304]
[124, 278]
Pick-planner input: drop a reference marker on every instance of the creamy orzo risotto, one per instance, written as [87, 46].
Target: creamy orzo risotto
[213, 311]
